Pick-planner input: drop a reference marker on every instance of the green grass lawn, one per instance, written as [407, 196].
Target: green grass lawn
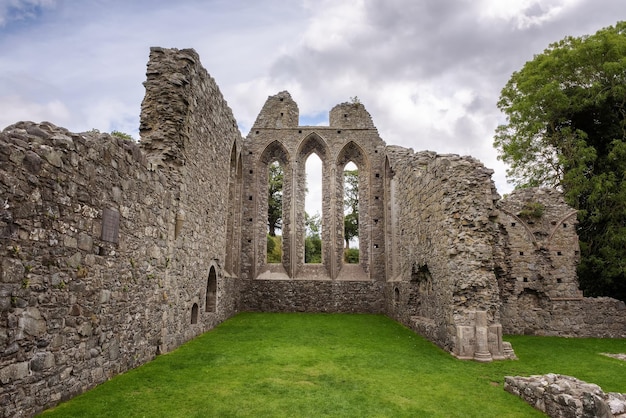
[315, 365]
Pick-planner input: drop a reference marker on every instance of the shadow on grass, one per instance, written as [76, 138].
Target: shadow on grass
[305, 365]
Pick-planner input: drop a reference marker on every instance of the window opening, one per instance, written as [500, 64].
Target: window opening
[194, 313]
[275, 213]
[211, 291]
[351, 213]
[313, 210]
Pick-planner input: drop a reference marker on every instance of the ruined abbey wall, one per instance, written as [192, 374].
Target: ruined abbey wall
[536, 261]
[442, 227]
[332, 285]
[191, 137]
[112, 251]
[109, 249]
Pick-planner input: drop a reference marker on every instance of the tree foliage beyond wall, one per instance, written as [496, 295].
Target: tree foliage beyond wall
[566, 128]
[351, 205]
[313, 240]
[275, 198]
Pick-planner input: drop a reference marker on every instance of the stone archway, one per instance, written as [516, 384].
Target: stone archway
[352, 152]
[311, 144]
[273, 152]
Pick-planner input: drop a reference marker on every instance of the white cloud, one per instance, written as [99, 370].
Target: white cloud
[17, 10]
[15, 108]
[334, 24]
[525, 13]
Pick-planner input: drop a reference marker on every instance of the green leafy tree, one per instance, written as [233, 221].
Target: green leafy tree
[351, 206]
[566, 127]
[313, 241]
[275, 198]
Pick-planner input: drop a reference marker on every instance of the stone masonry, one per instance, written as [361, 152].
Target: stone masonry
[536, 267]
[562, 396]
[113, 252]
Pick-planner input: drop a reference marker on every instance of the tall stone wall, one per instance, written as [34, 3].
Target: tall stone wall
[112, 252]
[191, 137]
[536, 260]
[442, 214]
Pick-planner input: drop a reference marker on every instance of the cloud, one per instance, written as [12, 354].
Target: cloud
[429, 72]
[16, 108]
[525, 13]
[19, 10]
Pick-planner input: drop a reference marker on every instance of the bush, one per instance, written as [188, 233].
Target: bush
[351, 255]
[274, 249]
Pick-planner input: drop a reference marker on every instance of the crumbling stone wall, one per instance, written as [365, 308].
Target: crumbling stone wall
[536, 260]
[190, 135]
[82, 279]
[565, 396]
[442, 213]
[112, 252]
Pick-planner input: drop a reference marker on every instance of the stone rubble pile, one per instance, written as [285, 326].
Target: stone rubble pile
[565, 396]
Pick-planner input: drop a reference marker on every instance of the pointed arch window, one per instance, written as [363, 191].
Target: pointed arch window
[313, 210]
[275, 179]
[351, 213]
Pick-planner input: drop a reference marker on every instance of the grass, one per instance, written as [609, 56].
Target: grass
[315, 365]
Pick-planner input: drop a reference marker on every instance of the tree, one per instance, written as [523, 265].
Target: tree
[351, 205]
[312, 241]
[274, 249]
[275, 198]
[566, 127]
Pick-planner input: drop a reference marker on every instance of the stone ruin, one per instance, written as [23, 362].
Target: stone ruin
[562, 396]
[113, 252]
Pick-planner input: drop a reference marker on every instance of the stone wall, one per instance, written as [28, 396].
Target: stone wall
[112, 252]
[314, 296]
[441, 212]
[190, 135]
[536, 260]
[565, 396]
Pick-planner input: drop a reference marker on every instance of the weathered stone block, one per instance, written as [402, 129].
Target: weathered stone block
[42, 361]
[32, 323]
[14, 372]
[12, 269]
[85, 242]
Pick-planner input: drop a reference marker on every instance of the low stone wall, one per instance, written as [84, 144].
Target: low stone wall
[588, 317]
[312, 296]
[565, 396]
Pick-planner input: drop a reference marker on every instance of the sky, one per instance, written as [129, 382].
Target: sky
[428, 71]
